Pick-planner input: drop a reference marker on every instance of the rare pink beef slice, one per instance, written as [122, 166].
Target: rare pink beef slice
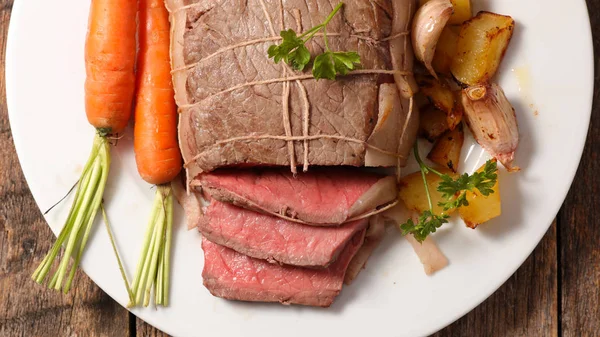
[321, 196]
[275, 239]
[235, 276]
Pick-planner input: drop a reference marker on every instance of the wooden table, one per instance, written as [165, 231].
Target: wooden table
[555, 293]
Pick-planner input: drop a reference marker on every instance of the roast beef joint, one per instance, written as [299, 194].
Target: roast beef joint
[274, 158]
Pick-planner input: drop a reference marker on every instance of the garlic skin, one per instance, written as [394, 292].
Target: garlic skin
[493, 122]
[428, 23]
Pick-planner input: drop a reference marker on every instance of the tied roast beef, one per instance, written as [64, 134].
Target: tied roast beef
[239, 109]
[320, 197]
[232, 275]
[235, 111]
[274, 239]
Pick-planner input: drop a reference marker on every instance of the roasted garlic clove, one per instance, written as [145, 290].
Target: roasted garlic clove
[492, 121]
[428, 23]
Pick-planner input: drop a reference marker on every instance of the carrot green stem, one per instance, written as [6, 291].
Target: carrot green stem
[145, 246]
[77, 228]
[43, 269]
[158, 239]
[167, 250]
[112, 241]
[82, 209]
[152, 272]
[90, 216]
[79, 219]
[158, 288]
[146, 264]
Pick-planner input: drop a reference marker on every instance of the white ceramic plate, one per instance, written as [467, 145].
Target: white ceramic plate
[547, 74]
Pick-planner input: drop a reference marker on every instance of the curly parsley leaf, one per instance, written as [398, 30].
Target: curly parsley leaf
[455, 190]
[428, 223]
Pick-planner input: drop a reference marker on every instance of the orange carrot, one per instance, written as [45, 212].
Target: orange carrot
[156, 149]
[109, 86]
[155, 133]
[110, 64]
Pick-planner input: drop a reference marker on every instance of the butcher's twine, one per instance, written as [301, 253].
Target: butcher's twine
[289, 138]
[277, 38]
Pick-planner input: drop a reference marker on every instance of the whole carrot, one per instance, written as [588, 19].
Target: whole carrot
[155, 132]
[156, 149]
[109, 64]
[109, 87]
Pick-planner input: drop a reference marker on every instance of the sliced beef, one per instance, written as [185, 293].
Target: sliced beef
[217, 74]
[320, 197]
[274, 239]
[235, 276]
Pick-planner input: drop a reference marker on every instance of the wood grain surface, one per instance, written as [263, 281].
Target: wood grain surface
[579, 226]
[555, 293]
[27, 309]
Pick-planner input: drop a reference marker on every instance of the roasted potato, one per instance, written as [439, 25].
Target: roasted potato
[462, 11]
[481, 208]
[442, 97]
[456, 115]
[481, 46]
[432, 123]
[446, 151]
[412, 192]
[445, 50]
[438, 92]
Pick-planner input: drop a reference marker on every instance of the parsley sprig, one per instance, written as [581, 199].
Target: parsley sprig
[454, 191]
[293, 51]
[428, 223]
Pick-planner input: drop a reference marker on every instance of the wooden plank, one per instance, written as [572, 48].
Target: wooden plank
[526, 305]
[579, 226]
[26, 308]
[144, 329]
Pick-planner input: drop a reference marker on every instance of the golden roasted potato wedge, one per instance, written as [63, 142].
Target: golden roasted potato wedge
[481, 46]
[438, 92]
[412, 192]
[456, 115]
[442, 97]
[432, 123]
[481, 208]
[445, 50]
[446, 151]
[462, 11]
